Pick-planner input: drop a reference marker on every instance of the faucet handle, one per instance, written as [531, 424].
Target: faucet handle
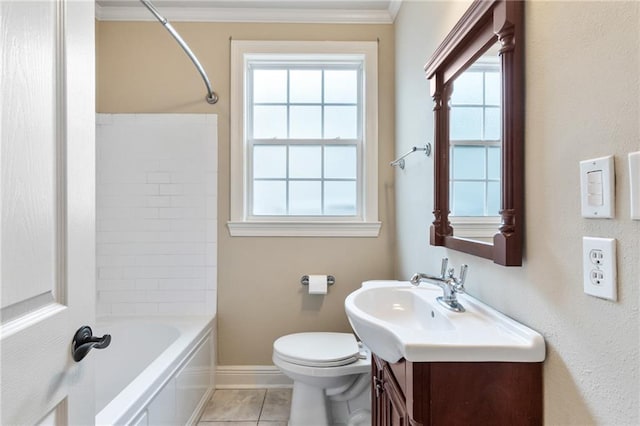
[443, 268]
[463, 274]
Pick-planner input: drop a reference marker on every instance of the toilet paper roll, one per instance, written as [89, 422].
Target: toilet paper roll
[317, 284]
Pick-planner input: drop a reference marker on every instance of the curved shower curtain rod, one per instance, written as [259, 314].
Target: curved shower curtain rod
[212, 98]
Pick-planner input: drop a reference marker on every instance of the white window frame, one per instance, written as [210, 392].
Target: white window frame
[242, 223]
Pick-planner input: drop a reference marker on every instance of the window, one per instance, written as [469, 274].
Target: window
[314, 113]
[475, 141]
[304, 139]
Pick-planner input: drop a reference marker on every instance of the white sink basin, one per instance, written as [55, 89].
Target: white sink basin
[398, 320]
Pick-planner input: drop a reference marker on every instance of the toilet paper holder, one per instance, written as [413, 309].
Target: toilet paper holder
[304, 280]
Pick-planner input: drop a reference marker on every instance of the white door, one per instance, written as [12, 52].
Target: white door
[48, 216]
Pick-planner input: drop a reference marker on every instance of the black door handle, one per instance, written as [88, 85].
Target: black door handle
[84, 341]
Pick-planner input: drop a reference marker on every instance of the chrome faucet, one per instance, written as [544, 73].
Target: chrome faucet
[449, 284]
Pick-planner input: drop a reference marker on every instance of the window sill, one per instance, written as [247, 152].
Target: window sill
[304, 229]
[475, 227]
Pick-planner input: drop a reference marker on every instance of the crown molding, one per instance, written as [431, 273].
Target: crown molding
[394, 8]
[257, 15]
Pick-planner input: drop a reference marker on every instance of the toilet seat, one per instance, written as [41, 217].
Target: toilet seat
[318, 349]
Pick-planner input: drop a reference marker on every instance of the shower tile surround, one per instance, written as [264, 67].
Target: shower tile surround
[156, 196]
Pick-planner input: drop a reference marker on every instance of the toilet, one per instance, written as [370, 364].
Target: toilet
[331, 375]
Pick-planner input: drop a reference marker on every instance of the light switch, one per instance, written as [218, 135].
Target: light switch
[634, 184]
[595, 177]
[597, 187]
[594, 188]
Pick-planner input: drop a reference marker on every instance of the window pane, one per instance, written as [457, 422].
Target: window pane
[466, 123]
[303, 130]
[468, 162]
[269, 122]
[492, 88]
[340, 162]
[305, 86]
[341, 86]
[493, 128]
[269, 161]
[305, 162]
[467, 89]
[340, 198]
[493, 198]
[269, 197]
[493, 163]
[270, 86]
[305, 122]
[468, 199]
[341, 122]
[305, 198]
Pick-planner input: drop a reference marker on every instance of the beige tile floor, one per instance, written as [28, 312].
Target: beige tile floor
[247, 407]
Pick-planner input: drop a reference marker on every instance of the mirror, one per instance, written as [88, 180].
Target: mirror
[475, 146]
[476, 81]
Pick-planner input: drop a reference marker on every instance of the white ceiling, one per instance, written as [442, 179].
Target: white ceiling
[320, 11]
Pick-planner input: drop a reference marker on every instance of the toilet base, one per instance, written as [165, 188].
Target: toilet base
[308, 406]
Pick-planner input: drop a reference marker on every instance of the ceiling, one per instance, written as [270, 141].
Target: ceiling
[319, 11]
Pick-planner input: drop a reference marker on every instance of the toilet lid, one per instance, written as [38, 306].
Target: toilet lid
[318, 349]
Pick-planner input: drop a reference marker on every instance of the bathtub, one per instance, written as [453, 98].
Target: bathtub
[157, 371]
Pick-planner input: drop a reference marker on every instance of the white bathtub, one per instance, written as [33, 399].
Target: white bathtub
[157, 371]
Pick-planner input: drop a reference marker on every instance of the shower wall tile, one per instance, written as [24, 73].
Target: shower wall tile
[156, 214]
[158, 177]
[182, 308]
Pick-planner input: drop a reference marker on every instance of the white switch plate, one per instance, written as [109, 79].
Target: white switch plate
[599, 267]
[597, 179]
[634, 184]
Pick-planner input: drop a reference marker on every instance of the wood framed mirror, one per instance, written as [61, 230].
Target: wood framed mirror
[477, 83]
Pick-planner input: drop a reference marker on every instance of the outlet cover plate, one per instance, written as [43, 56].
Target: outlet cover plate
[599, 267]
[634, 184]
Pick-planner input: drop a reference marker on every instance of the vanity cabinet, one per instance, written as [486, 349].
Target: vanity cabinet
[456, 393]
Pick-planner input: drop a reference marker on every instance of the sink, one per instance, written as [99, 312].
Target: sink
[398, 320]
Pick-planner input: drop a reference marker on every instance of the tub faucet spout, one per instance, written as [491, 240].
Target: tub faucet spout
[448, 282]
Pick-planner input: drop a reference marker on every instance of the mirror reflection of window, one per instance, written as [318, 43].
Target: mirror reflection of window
[475, 140]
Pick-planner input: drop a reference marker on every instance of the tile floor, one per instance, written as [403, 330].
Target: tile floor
[247, 407]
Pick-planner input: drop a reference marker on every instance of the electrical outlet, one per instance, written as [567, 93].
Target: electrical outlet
[599, 267]
[596, 256]
[596, 276]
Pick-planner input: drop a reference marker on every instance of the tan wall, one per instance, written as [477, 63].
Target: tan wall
[140, 68]
[582, 101]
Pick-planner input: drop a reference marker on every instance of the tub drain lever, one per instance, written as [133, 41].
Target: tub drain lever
[84, 341]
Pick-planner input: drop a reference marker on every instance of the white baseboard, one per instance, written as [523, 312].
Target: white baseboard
[250, 377]
[200, 407]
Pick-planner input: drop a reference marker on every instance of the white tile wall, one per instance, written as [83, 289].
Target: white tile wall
[156, 214]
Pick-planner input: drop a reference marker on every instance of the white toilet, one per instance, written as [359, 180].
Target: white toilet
[331, 376]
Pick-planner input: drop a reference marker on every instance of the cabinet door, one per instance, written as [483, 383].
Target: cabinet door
[389, 406]
[376, 391]
[394, 402]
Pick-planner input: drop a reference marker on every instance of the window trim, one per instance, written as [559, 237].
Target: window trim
[241, 222]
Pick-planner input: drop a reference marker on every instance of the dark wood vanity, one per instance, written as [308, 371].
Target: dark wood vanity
[456, 393]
